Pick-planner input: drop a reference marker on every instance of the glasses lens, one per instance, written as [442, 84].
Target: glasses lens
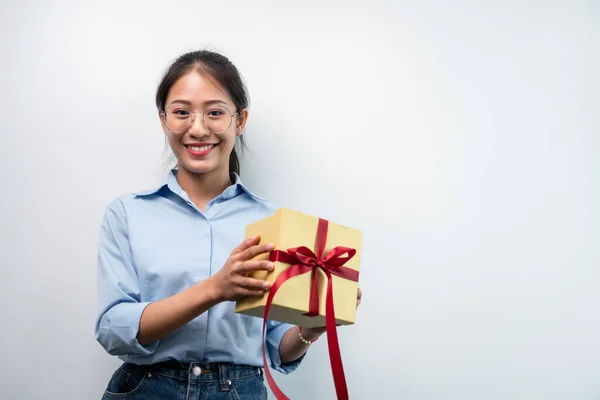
[178, 118]
[217, 119]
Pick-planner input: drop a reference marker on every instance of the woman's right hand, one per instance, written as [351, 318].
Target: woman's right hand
[232, 283]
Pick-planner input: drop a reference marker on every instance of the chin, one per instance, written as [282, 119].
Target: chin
[195, 169]
[198, 167]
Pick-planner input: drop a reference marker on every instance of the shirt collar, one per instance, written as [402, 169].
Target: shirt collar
[171, 183]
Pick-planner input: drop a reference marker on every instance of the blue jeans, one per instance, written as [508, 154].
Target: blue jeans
[191, 381]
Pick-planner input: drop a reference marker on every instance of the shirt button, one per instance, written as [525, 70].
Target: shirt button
[197, 370]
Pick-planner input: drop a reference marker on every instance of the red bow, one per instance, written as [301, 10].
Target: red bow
[303, 260]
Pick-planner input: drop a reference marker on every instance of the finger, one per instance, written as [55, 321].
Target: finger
[253, 251]
[359, 295]
[248, 292]
[246, 244]
[252, 284]
[255, 265]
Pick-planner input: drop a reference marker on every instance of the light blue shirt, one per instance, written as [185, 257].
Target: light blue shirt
[157, 243]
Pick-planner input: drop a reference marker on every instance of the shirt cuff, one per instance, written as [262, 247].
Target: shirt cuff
[274, 337]
[118, 330]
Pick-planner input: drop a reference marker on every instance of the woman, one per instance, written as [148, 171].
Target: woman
[171, 265]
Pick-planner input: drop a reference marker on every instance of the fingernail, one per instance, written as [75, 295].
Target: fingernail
[269, 246]
[266, 285]
[270, 265]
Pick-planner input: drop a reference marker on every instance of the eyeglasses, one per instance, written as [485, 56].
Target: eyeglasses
[215, 119]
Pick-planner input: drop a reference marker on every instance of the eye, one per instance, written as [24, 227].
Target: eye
[181, 112]
[216, 112]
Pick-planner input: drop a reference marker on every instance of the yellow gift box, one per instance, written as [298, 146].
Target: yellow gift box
[288, 229]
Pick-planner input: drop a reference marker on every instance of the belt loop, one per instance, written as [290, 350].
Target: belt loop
[224, 378]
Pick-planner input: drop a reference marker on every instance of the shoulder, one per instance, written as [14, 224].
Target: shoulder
[259, 201]
[264, 203]
[116, 209]
[261, 206]
[127, 201]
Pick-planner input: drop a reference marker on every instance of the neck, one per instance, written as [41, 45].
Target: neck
[202, 188]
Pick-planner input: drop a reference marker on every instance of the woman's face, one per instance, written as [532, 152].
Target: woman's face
[197, 149]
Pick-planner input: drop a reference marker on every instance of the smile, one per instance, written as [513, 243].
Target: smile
[201, 150]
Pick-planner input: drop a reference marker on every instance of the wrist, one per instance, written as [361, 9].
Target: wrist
[310, 334]
[210, 289]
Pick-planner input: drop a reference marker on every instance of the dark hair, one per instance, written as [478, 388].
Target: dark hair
[221, 70]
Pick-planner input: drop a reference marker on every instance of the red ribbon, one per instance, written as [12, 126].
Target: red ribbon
[303, 260]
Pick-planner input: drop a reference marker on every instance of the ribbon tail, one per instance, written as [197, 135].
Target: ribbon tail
[279, 395]
[294, 270]
[339, 378]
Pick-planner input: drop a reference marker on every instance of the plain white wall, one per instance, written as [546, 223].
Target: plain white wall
[462, 139]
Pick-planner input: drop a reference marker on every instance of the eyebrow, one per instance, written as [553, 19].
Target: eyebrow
[206, 103]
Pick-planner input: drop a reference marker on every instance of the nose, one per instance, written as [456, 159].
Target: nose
[197, 128]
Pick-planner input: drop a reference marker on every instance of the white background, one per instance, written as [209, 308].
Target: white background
[462, 139]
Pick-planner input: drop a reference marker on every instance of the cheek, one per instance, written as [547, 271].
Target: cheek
[174, 143]
[173, 138]
[228, 140]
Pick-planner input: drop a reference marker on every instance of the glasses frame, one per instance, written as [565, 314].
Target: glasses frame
[193, 119]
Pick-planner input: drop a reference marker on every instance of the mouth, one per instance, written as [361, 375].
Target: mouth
[200, 150]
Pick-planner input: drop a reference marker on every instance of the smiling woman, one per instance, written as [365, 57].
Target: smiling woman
[169, 255]
[203, 146]
[197, 96]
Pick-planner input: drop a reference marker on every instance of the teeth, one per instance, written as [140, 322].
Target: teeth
[203, 148]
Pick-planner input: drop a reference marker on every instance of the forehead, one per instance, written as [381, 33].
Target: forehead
[197, 88]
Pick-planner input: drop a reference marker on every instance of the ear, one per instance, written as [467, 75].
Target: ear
[162, 122]
[240, 122]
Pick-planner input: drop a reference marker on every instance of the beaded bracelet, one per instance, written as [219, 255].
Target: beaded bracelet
[302, 337]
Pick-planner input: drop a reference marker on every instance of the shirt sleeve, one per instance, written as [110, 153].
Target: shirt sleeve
[275, 332]
[118, 291]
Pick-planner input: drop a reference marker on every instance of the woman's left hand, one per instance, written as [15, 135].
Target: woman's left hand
[316, 332]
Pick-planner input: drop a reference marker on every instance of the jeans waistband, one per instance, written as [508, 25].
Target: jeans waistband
[200, 371]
